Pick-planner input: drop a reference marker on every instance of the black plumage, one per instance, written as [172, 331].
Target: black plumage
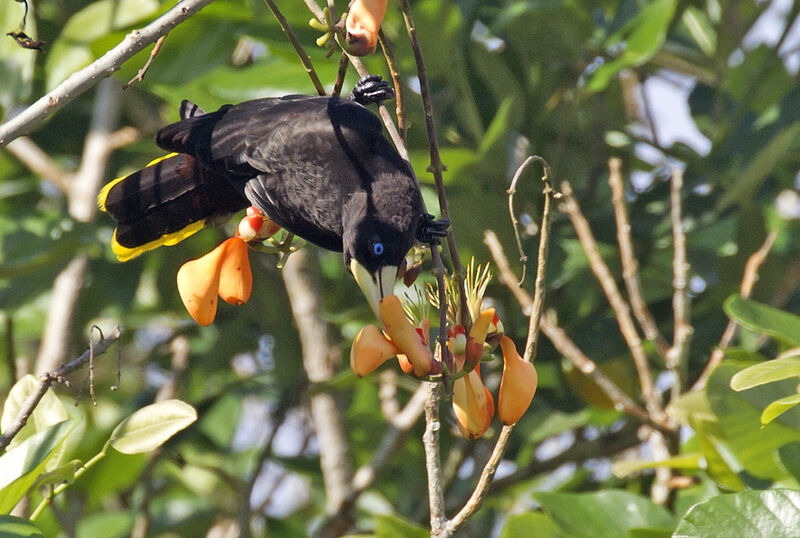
[318, 166]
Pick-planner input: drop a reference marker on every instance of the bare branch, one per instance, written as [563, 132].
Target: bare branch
[433, 464]
[48, 378]
[305, 59]
[39, 162]
[399, 91]
[621, 310]
[683, 330]
[103, 67]
[749, 278]
[143, 71]
[630, 266]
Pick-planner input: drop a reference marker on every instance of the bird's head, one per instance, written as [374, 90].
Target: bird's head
[374, 249]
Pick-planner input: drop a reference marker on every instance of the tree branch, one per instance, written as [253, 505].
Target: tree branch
[630, 265]
[48, 378]
[676, 356]
[103, 67]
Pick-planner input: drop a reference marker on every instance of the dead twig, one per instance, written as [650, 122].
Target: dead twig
[48, 378]
[143, 71]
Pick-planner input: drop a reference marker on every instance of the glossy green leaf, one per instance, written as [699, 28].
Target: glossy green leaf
[599, 515]
[644, 34]
[387, 526]
[739, 419]
[11, 526]
[21, 466]
[149, 427]
[748, 513]
[785, 367]
[764, 319]
[530, 524]
[778, 407]
[48, 411]
[701, 29]
[621, 469]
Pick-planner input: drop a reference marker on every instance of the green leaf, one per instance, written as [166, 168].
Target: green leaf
[701, 30]
[149, 427]
[18, 527]
[785, 367]
[21, 466]
[764, 319]
[751, 444]
[790, 458]
[71, 51]
[16, 63]
[778, 407]
[599, 515]
[646, 34]
[773, 512]
[621, 469]
[530, 524]
[48, 411]
[387, 526]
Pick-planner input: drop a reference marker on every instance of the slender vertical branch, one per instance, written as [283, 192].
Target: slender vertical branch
[433, 462]
[344, 63]
[399, 90]
[621, 310]
[676, 357]
[630, 265]
[305, 59]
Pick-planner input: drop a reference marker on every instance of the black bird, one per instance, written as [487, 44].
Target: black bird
[317, 166]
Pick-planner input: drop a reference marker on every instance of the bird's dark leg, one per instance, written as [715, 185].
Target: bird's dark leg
[371, 89]
[430, 230]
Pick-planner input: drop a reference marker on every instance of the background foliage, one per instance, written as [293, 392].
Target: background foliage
[574, 82]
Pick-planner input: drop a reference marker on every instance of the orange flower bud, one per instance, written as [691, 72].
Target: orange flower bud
[198, 283]
[473, 405]
[404, 335]
[364, 19]
[422, 330]
[235, 277]
[370, 349]
[517, 386]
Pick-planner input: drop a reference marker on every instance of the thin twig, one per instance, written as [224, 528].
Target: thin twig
[563, 344]
[676, 357]
[438, 269]
[621, 309]
[344, 63]
[48, 378]
[630, 265]
[537, 308]
[103, 67]
[143, 71]
[10, 352]
[749, 278]
[305, 59]
[512, 190]
[399, 90]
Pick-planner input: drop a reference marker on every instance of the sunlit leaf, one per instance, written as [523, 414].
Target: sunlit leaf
[48, 411]
[387, 526]
[778, 407]
[621, 469]
[21, 466]
[748, 513]
[785, 367]
[149, 427]
[530, 524]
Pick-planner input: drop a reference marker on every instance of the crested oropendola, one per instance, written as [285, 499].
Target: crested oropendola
[317, 166]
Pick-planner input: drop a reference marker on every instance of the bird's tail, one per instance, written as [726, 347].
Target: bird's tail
[164, 203]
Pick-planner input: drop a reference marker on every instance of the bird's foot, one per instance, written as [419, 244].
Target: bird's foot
[371, 89]
[431, 230]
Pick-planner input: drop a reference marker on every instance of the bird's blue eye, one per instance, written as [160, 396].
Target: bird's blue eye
[377, 248]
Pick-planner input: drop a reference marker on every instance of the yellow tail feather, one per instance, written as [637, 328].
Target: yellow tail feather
[124, 253]
[101, 198]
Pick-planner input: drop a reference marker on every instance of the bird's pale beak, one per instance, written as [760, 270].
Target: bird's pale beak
[375, 286]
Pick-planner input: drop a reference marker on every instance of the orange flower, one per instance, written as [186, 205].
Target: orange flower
[473, 405]
[477, 336]
[224, 271]
[422, 330]
[405, 336]
[517, 386]
[370, 349]
[364, 19]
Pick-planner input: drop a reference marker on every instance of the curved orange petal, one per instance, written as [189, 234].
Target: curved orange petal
[517, 386]
[370, 349]
[405, 336]
[236, 278]
[472, 404]
[477, 336]
[198, 282]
